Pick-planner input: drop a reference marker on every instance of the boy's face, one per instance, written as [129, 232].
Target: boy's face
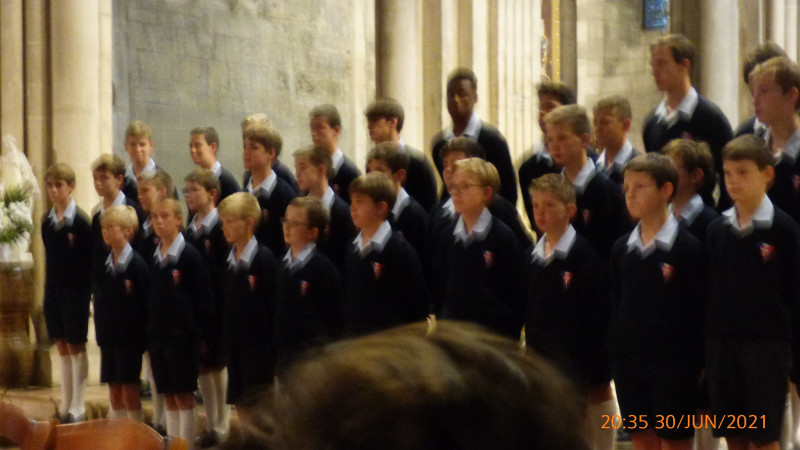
[461, 99]
[203, 155]
[381, 129]
[642, 196]
[547, 103]
[746, 183]
[147, 195]
[235, 229]
[114, 235]
[59, 191]
[106, 184]
[770, 102]
[139, 149]
[322, 134]
[551, 214]
[685, 182]
[564, 145]
[468, 195]
[610, 129]
[296, 231]
[307, 174]
[365, 211]
[377, 165]
[166, 223]
[197, 197]
[667, 73]
[255, 156]
[449, 163]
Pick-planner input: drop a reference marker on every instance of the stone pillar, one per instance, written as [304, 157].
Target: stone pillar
[106, 124]
[11, 73]
[398, 71]
[75, 75]
[777, 12]
[433, 69]
[718, 51]
[37, 118]
[569, 43]
[790, 29]
[359, 80]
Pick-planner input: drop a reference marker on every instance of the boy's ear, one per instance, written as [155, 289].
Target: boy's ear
[314, 234]
[394, 122]
[769, 172]
[697, 176]
[667, 189]
[120, 181]
[401, 176]
[214, 146]
[626, 125]
[215, 195]
[572, 209]
[383, 208]
[586, 140]
[488, 194]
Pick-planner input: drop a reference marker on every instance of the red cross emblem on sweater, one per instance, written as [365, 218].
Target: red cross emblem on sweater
[176, 276]
[667, 270]
[128, 287]
[587, 215]
[567, 277]
[488, 258]
[252, 280]
[796, 182]
[265, 215]
[304, 287]
[378, 269]
[207, 243]
[71, 239]
[767, 251]
[687, 135]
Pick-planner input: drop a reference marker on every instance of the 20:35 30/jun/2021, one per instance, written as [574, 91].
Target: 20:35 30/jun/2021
[685, 421]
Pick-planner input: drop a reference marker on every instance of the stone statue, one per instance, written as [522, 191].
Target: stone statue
[18, 186]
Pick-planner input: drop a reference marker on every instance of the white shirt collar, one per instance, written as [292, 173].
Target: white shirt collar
[479, 230]
[792, 148]
[328, 197]
[295, 264]
[216, 168]
[122, 262]
[759, 127]
[150, 167]
[472, 130]
[685, 109]
[337, 158]
[403, 199]
[587, 172]
[266, 186]
[208, 222]
[118, 200]
[449, 208]
[173, 252]
[762, 217]
[68, 217]
[542, 154]
[663, 239]
[246, 258]
[147, 227]
[691, 210]
[561, 249]
[378, 241]
[620, 160]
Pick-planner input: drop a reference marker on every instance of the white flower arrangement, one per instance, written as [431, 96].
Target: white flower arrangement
[16, 216]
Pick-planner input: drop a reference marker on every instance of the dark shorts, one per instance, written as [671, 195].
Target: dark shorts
[66, 313]
[174, 365]
[120, 364]
[216, 356]
[250, 370]
[748, 379]
[661, 391]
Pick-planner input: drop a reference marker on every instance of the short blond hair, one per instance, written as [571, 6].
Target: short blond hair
[160, 179]
[203, 177]
[256, 118]
[241, 205]
[556, 184]
[377, 186]
[124, 216]
[109, 162]
[171, 203]
[317, 156]
[782, 70]
[60, 172]
[573, 115]
[483, 171]
[617, 104]
[265, 134]
[139, 129]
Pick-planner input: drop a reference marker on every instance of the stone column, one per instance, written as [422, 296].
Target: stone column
[106, 94]
[432, 71]
[397, 62]
[777, 13]
[718, 52]
[790, 29]
[11, 73]
[75, 75]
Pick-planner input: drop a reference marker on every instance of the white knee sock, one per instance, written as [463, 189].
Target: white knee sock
[173, 422]
[80, 370]
[795, 412]
[704, 438]
[159, 416]
[136, 414]
[187, 425]
[66, 384]
[602, 438]
[223, 409]
[206, 384]
[786, 424]
[117, 413]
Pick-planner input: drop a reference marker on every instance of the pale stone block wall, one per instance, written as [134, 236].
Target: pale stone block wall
[179, 64]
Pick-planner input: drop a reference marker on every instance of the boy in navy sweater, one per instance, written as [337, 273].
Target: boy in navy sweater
[612, 120]
[601, 216]
[262, 146]
[179, 316]
[482, 260]
[313, 165]
[249, 303]
[205, 234]
[408, 218]
[151, 186]
[309, 299]
[120, 313]
[751, 333]
[280, 169]
[108, 172]
[68, 244]
[695, 165]
[203, 147]
[326, 124]
[385, 284]
[659, 288]
[567, 314]
[139, 145]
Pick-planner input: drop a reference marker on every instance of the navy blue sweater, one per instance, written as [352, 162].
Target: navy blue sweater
[533, 168]
[68, 252]
[412, 223]
[227, 184]
[215, 250]
[340, 182]
[101, 250]
[269, 231]
[120, 304]
[250, 303]
[339, 235]
[602, 215]
[421, 179]
[785, 190]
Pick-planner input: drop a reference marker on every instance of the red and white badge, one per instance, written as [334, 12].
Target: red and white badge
[687, 135]
[129, 287]
[767, 252]
[207, 243]
[265, 215]
[666, 271]
[176, 276]
[71, 239]
[378, 269]
[567, 277]
[587, 215]
[796, 182]
[252, 280]
[488, 258]
[304, 287]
